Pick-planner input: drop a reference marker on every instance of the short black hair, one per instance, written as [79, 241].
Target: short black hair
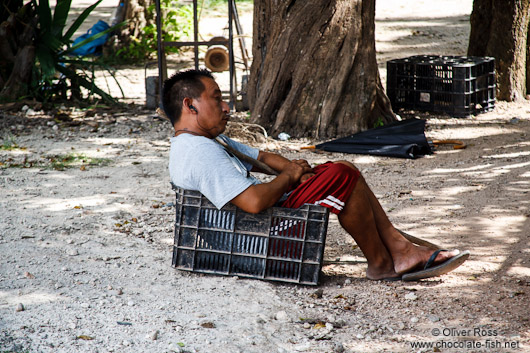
[183, 84]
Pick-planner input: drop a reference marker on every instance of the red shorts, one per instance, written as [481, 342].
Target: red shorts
[331, 187]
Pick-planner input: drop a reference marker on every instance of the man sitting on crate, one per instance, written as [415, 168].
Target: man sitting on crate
[192, 101]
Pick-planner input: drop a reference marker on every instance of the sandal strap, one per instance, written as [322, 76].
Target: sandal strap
[432, 258]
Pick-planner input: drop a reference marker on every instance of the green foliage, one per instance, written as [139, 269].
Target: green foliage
[8, 142]
[58, 162]
[379, 122]
[71, 160]
[56, 72]
[177, 24]
[220, 5]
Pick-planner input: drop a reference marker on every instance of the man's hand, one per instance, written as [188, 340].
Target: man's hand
[306, 176]
[296, 169]
[258, 197]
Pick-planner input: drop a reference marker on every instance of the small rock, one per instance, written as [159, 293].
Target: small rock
[329, 326]
[411, 296]
[414, 320]
[20, 307]
[338, 347]
[348, 281]
[307, 325]
[433, 318]
[282, 316]
[119, 291]
[401, 325]
[130, 303]
[360, 336]
[72, 252]
[259, 320]
[25, 108]
[28, 275]
[318, 293]
[72, 326]
[85, 305]
[154, 335]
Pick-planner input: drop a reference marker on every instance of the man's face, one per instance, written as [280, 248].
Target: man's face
[212, 111]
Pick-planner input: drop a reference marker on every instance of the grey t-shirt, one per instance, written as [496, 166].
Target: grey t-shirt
[200, 163]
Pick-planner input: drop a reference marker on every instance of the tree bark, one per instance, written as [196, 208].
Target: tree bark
[18, 82]
[314, 70]
[18, 53]
[499, 28]
[528, 61]
[138, 17]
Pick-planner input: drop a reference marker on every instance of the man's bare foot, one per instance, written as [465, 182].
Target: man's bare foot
[375, 274]
[417, 256]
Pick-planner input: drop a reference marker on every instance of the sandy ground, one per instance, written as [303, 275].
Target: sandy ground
[86, 251]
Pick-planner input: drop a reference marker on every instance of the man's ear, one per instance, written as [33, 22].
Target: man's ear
[188, 105]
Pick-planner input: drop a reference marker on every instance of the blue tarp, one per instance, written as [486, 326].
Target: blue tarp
[93, 47]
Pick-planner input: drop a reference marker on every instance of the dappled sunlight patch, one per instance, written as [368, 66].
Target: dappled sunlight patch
[96, 203]
[508, 167]
[487, 171]
[509, 155]
[167, 241]
[471, 132]
[520, 270]
[458, 170]
[455, 191]
[498, 226]
[13, 298]
[525, 175]
[107, 141]
[437, 213]
[60, 205]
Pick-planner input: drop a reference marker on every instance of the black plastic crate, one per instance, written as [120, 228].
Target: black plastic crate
[278, 244]
[457, 85]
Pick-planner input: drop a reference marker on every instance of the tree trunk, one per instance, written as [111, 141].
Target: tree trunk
[528, 61]
[314, 71]
[18, 82]
[18, 53]
[499, 28]
[138, 17]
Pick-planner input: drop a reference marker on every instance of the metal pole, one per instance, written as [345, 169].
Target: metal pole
[160, 52]
[196, 34]
[242, 43]
[231, 54]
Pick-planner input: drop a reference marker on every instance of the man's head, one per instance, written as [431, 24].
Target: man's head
[182, 85]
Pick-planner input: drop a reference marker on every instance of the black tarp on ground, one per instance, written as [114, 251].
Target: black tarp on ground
[402, 139]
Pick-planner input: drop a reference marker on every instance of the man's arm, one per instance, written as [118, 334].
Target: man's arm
[278, 163]
[257, 198]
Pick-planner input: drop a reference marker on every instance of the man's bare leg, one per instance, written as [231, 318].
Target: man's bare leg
[405, 255]
[358, 219]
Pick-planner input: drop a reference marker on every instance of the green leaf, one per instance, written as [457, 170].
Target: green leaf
[60, 16]
[79, 21]
[46, 60]
[49, 40]
[72, 75]
[45, 15]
